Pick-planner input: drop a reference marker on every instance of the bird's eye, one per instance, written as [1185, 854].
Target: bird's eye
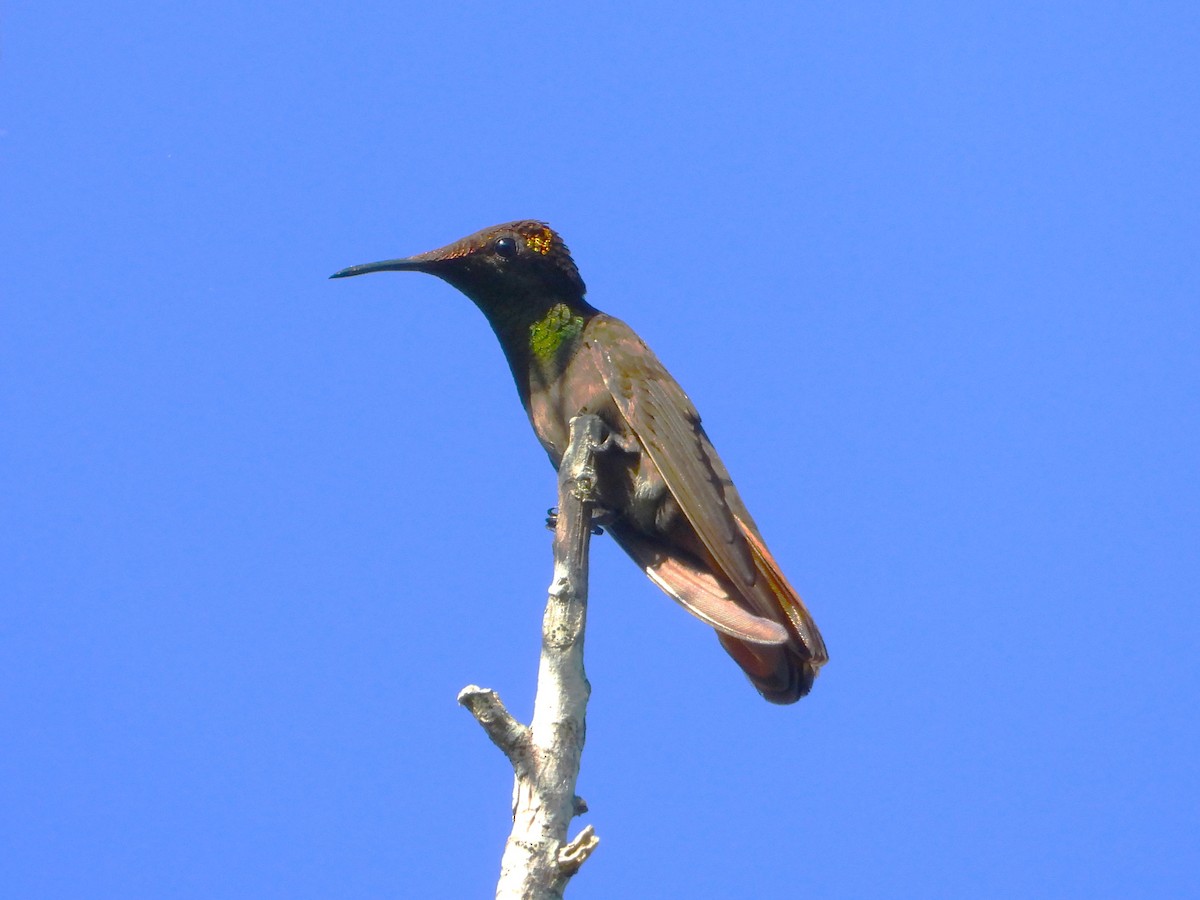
[506, 247]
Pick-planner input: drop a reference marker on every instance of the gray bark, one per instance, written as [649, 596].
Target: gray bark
[538, 860]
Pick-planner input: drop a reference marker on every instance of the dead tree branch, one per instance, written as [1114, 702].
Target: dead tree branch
[538, 860]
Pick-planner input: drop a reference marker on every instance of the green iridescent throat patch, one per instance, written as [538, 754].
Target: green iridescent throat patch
[547, 335]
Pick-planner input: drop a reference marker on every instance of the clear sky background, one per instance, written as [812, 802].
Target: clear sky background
[931, 272]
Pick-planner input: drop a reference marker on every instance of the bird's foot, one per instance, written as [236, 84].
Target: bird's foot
[600, 518]
[614, 440]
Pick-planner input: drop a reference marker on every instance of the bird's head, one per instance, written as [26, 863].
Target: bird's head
[511, 263]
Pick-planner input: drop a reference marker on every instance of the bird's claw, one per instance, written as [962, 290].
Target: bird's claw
[600, 518]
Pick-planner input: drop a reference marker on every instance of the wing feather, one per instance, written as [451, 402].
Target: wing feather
[697, 590]
[787, 597]
[668, 426]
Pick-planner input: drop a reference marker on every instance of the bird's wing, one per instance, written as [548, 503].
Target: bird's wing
[696, 589]
[668, 426]
[787, 597]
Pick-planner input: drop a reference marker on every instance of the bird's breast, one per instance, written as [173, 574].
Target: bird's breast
[629, 481]
[556, 398]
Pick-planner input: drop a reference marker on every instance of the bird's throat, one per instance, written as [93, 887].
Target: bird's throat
[538, 339]
[554, 335]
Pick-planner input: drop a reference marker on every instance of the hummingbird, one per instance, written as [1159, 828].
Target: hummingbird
[668, 499]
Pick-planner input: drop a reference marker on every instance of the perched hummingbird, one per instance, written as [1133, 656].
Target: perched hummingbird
[668, 498]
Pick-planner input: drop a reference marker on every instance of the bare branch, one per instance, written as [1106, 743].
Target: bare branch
[506, 732]
[575, 854]
[538, 861]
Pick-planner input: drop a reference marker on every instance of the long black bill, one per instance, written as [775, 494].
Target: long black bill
[408, 264]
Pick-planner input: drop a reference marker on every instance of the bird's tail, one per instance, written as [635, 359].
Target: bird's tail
[779, 673]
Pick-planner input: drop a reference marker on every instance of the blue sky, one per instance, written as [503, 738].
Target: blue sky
[930, 272]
